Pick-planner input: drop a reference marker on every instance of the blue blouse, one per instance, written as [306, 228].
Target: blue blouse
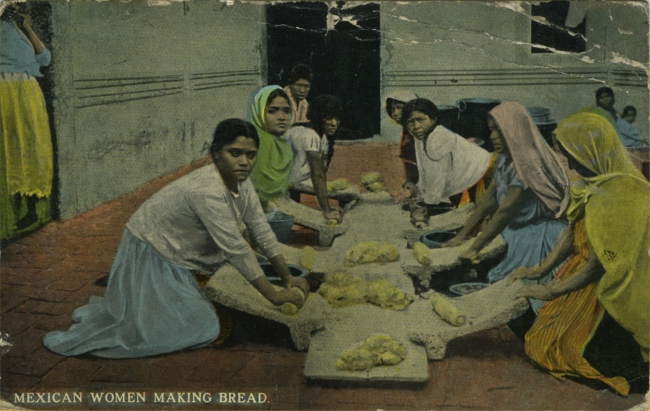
[532, 231]
[17, 53]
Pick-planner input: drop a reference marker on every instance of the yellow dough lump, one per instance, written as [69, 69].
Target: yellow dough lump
[367, 252]
[339, 184]
[421, 253]
[378, 349]
[376, 187]
[342, 290]
[387, 296]
[290, 308]
[446, 310]
[370, 177]
[307, 258]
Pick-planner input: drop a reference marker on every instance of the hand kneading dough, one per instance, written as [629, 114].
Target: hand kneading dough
[290, 308]
[378, 349]
[367, 252]
[339, 184]
[370, 177]
[386, 295]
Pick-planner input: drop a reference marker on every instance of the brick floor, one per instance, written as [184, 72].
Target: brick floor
[48, 274]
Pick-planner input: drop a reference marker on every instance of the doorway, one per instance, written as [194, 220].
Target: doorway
[340, 43]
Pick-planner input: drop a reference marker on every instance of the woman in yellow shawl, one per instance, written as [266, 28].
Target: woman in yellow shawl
[607, 246]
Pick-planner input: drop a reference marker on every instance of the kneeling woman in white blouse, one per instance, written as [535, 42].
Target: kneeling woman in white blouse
[152, 304]
[447, 163]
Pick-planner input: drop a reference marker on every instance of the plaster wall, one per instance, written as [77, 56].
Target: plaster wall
[445, 51]
[139, 89]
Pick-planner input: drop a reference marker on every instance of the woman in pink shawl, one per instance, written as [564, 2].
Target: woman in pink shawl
[527, 195]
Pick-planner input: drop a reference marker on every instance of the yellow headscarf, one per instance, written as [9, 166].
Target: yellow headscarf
[615, 205]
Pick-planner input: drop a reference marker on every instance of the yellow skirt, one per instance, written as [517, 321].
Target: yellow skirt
[26, 139]
[26, 157]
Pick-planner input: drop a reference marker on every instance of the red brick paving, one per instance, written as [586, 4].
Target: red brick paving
[48, 274]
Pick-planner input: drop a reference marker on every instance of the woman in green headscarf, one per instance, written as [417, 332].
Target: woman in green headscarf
[607, 246]
[270, 113]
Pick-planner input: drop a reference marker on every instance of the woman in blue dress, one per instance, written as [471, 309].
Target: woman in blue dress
[527, 195]
[152, 304]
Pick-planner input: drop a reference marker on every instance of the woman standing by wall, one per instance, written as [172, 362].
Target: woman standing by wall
[26, 157]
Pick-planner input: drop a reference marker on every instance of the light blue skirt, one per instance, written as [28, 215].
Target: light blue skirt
[150, 307]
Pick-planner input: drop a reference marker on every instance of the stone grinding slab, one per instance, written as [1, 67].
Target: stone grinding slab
[229, 288]
[349, 194]
[310, 218]
[350, 326]
[335, 330]
[443, 259]
[484, 309]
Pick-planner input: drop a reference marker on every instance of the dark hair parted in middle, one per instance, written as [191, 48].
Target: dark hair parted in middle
[604, 90]
[228, 130]
[422, 105]
[300, 71]
[278, 92]
[322, 108]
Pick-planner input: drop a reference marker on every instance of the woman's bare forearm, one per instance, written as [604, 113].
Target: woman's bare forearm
[562, 248]
[486, 206]
[590, 272]
[318, 180]
[501, 218]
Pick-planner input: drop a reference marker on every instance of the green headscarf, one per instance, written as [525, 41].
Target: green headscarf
[270, 176]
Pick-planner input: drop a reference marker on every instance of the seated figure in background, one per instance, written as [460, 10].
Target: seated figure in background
[630, 137]
[311, 147]
[394, 105]
[297, 90]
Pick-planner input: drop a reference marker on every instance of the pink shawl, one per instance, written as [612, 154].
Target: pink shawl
[533, 161]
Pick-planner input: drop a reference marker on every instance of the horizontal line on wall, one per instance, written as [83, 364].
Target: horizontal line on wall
[132, 92]
[118, 101]
[513, 77]
[621, 84]
[139, 83]
[429, 84]
[208, 86]
[132, 78]
[219, 74]
[125, 89]
[482, 74]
